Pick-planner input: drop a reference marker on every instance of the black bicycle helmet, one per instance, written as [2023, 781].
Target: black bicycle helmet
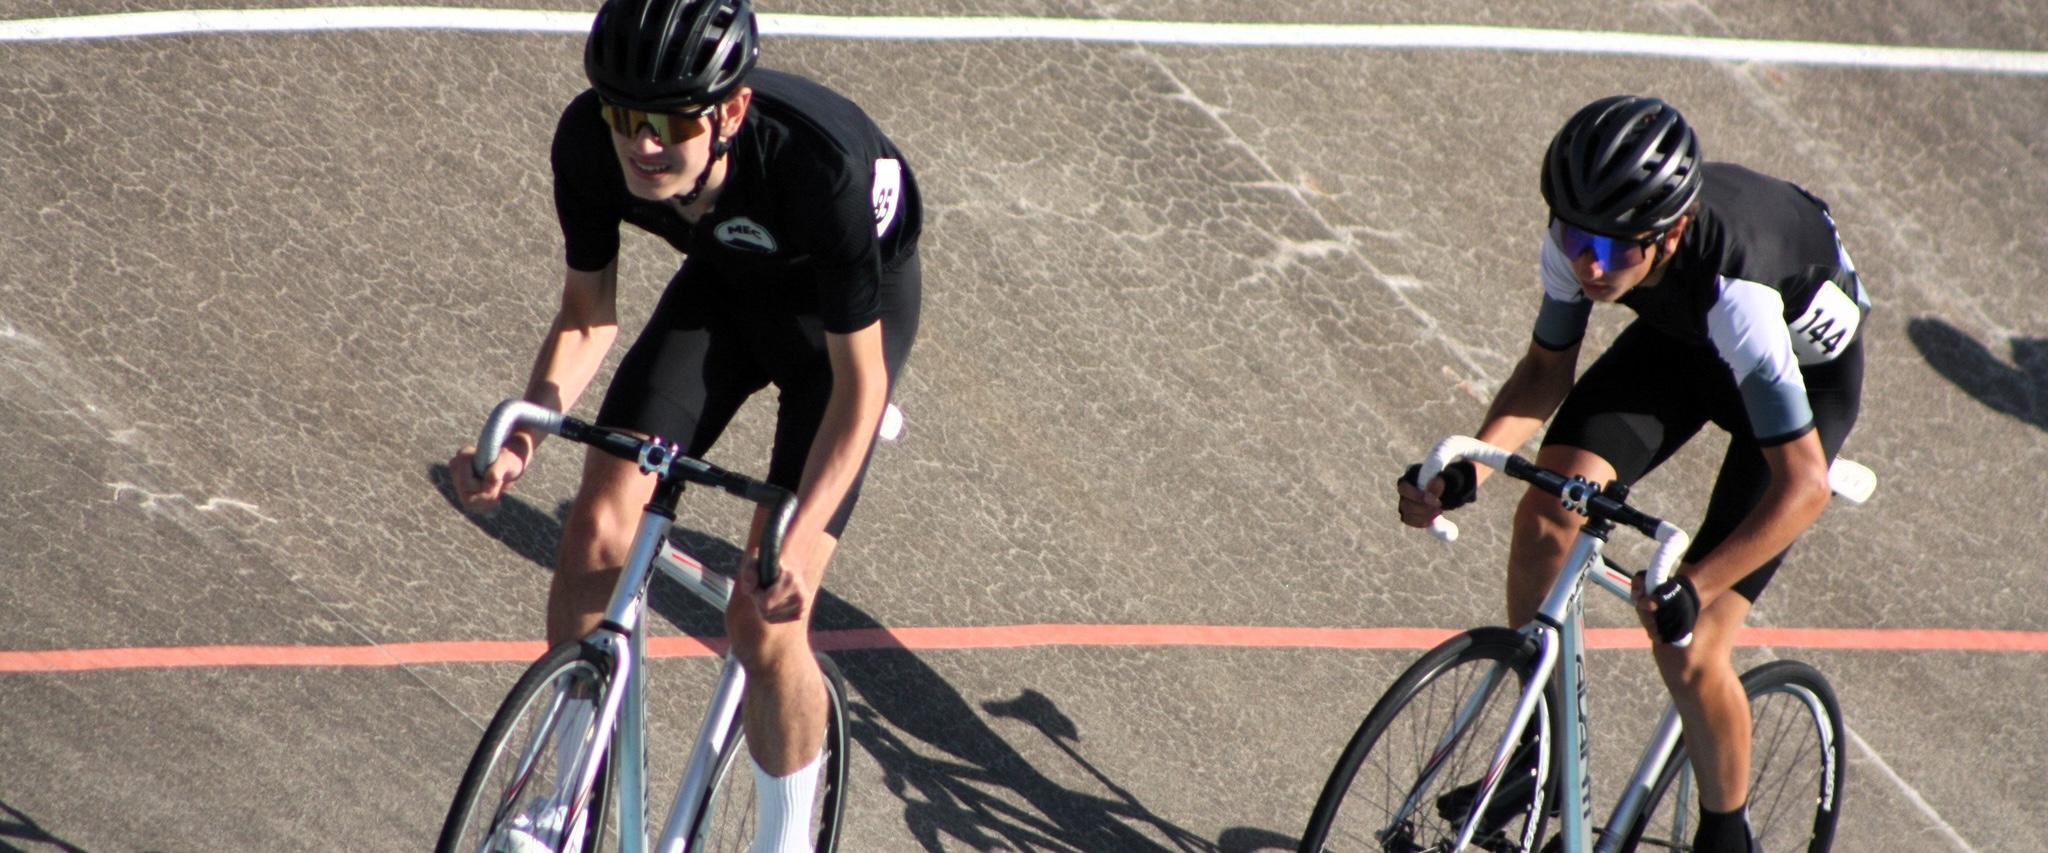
[1622, 166]
[670, 55]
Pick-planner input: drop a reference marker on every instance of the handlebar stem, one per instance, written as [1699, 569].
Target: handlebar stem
[1576, 493]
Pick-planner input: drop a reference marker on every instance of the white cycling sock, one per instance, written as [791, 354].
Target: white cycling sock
[784, 805]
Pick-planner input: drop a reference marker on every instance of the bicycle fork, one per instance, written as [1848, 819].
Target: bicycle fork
[1525, 713]
[583, 768]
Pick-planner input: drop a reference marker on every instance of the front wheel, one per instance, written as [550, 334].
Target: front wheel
[524, 791]
[1406, 781]
[1796, 759]
[727, 818]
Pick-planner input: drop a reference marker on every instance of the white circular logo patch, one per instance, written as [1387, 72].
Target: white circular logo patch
[745, 235]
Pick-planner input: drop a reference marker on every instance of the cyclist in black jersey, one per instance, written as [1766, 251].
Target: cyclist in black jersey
[799, 222]
[1749, 315]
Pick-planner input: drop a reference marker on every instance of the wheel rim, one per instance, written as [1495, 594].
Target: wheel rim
[1793, 775]
[1384, 807]
[527, 788]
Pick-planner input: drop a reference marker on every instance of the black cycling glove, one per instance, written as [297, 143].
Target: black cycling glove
[1461, 483]
[1678, 608]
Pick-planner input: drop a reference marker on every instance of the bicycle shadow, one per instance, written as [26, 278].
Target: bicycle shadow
[969, 794]
[16, 826]
[957, 777]
[2019, 389]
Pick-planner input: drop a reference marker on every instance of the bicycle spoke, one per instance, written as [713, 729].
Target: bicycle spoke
[524, 787]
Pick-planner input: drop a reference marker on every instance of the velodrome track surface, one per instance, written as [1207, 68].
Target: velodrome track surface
[1134, 575]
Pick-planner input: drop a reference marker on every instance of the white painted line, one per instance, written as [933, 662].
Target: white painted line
[204, 21]
[1939, 826]
[1396, 36]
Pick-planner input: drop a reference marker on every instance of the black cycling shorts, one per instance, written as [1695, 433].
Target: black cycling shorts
[1650, 393]
[710, 344]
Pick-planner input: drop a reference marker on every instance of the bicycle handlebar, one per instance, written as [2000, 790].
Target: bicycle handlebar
[1451, 450]
[1578, 495]
[655, 456]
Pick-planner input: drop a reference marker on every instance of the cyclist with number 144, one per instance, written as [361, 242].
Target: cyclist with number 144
[799, 222]
[1748, 316]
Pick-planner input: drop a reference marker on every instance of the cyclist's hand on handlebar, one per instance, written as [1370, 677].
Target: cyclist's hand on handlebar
[788, 600]
[1671, 610]
[480, 495]
[1455, 487]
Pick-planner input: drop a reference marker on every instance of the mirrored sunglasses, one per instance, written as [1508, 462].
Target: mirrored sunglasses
[670, 128]
[1612, 252]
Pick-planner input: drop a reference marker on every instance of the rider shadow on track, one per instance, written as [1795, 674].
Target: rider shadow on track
[2019, 389]
[957, 777]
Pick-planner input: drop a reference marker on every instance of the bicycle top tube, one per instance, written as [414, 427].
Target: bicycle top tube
[1589, 499]
[655, 456]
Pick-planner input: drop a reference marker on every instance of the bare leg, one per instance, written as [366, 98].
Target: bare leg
[1544, 531]
[785, 705]
[596, 540]
[1710, 699]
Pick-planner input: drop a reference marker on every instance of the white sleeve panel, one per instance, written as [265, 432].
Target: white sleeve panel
[1561, 322]
[1559, 282]
[1747, 327]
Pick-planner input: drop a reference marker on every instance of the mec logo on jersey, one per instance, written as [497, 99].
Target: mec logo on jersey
[745, 235]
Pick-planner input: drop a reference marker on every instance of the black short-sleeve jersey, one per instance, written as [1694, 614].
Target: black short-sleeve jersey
[1760, 275]
[816, 202]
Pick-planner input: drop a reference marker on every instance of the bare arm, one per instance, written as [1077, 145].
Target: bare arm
[576, 343]
[1794, 500]
[570, 354]
[860, 390]
[1533, 392]
[1530, 396]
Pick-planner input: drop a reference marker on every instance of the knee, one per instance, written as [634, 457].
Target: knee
[1541, 516]
[598, 531]
[760, 646]
[1693, 674]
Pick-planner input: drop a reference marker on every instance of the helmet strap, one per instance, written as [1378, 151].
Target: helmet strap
[1684, 222]
[720, 146]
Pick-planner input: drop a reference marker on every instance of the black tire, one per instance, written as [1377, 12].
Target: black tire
[726, 820]
[1797, 761]
[517, 766]
[1361, 806]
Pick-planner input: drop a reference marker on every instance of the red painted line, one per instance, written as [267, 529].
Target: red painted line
[1022, 636]
[997, 637]
[1898, 640]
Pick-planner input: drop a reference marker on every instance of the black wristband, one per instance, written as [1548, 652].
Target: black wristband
[1461, 483]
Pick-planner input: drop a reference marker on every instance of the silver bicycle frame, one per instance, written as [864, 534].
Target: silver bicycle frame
[718, 718]
[624, 720]
[1559, 632]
